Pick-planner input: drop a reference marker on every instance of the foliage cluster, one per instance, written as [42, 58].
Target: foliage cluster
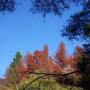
[38, 70]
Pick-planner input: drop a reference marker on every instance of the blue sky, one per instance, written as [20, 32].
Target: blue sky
[23, 31]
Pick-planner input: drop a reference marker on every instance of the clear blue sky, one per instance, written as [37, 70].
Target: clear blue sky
[23, 31]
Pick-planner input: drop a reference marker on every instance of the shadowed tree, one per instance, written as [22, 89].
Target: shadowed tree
[78, 27]
[55, 7]
[61, 54]
[83, 67]
[7, 5]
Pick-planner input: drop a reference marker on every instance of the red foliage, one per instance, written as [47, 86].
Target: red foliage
[78, 50]
[20, 69]
[30, 63]
[41, 60]
[61, 55]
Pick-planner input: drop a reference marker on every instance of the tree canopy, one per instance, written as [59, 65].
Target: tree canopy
[7, 5]
[36, 69]
[78, 26]
[55, 7]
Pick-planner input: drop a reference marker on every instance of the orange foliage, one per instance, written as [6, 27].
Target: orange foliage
[78, 51]
[30, 63]
[20, 69]
[41, 60]
[61, 54]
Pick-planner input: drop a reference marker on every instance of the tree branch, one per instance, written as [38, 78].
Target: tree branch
[47, 74]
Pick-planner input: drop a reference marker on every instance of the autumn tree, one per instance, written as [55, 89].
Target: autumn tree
[38, 60]
[61, 54]
[20, 70]
[35, 65]
[79, 65]
[38, 68]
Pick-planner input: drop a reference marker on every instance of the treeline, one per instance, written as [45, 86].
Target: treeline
[39, 71]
